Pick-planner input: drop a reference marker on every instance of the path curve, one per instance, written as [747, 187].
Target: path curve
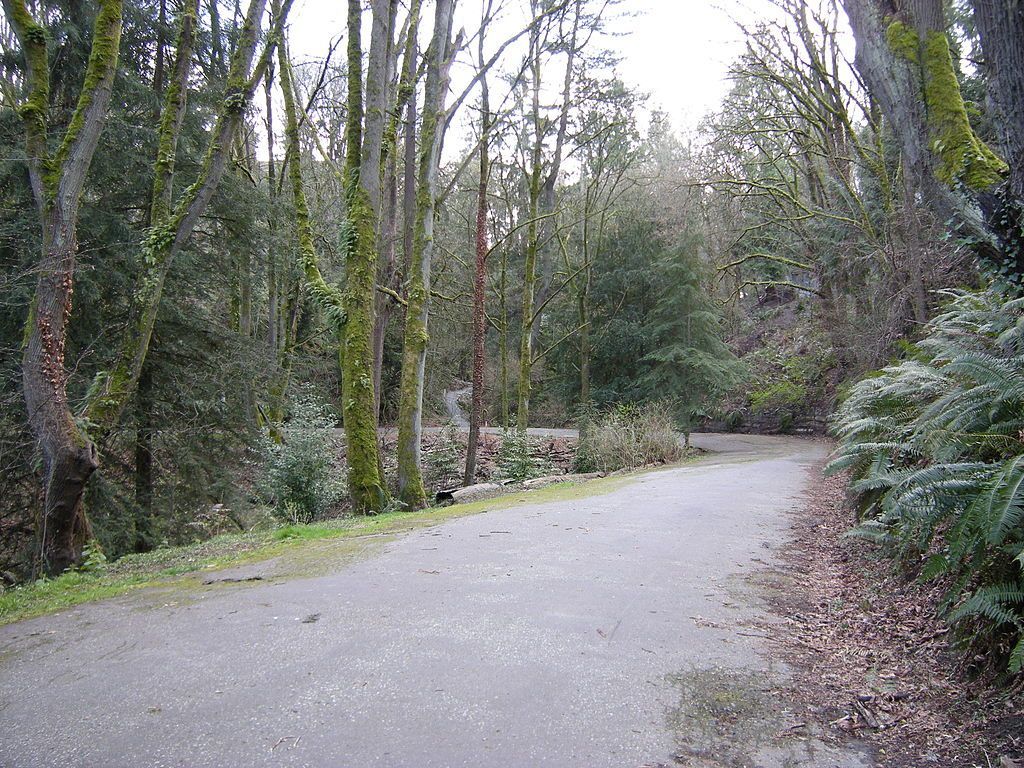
[619, 630]
[456, 413]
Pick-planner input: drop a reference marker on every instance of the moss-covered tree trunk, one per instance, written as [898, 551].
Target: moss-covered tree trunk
[503, 339]
[329, 297]
[144, 432]
[583, 310]
[362, 168]
[904, 56]
[414, 352]
[389, 271]
[173, 225]
[283, 293]
[57, 179]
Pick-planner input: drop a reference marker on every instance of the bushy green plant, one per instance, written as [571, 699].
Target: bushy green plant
[444, 459]
[93, 558]
[515, 459]
[301, 481]
[626, 437]
[734, 420]
[935, 445]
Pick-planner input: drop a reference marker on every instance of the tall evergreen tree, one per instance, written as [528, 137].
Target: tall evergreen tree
[689, 364]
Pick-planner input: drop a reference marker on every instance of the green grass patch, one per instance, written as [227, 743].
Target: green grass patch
[70, 589]
[310, 532]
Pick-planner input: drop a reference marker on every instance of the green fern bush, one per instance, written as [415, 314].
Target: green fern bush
[935, 446]
[444, 459]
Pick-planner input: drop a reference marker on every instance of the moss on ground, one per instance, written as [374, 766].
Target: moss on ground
[723, 716]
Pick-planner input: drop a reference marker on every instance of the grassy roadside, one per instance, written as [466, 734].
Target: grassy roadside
[187, 566]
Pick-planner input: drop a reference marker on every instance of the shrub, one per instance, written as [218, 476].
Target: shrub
[515, 459]
[734, 420]
[93, 558]
[935, 446]
[444, 460]
[627, 437]
[301, 481]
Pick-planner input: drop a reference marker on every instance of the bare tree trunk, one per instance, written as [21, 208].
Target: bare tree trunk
[57, 180]
[547, 196]
[503, 340]
[1001, 28]
[479, 277]
[161, 46]
[584, 318]
[144, 463]
[414, 353]
[532, 242]
[144, 398]
[216, 41]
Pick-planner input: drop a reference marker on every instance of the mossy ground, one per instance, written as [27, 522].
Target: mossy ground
[735, 717]
[302, 550]
[721, 712]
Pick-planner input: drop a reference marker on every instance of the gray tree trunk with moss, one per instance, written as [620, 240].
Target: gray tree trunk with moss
[389, 270]
[363, 172]
[542, 199]
[532, 239]
[329, 297]
[1001, 29]
[57, 180]
[904, 56]
[414, 353]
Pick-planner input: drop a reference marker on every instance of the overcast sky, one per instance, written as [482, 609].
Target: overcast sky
[676, 50]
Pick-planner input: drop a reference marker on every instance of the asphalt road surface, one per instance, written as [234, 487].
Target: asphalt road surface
[626, 629]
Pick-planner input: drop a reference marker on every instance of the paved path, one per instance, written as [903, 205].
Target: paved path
[456, 413]
[614, 630]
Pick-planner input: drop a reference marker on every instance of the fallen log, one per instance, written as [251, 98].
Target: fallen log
[470, 492]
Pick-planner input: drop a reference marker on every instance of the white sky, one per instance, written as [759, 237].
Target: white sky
[676, 50]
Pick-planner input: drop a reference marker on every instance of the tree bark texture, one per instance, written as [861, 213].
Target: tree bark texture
[904, 57]
[389, 271]
[69, 457]
[532, 242]
[479, 281]
[414, 352]
[362, 166]
[1000, 26]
